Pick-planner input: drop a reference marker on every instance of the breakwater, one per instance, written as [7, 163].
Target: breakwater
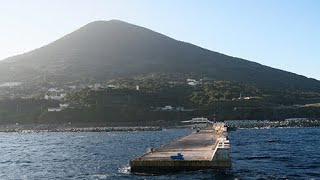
[205, 149]
[29, 128]
[292, 122]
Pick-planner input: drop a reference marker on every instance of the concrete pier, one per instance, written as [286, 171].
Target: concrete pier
[206, 149]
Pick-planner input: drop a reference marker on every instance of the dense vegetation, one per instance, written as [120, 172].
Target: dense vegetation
[123, 104]
[209, 98]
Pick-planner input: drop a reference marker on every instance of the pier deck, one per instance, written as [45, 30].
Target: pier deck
[196, 146]
[206, 149]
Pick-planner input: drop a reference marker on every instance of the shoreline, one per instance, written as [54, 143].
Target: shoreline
[68, 128]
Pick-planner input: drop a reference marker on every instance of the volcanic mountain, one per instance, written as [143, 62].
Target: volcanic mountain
[105, 50]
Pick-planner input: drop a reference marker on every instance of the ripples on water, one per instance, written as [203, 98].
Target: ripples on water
[256, 153]
[276, 153]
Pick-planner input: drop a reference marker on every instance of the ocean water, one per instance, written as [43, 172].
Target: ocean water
[256, 153]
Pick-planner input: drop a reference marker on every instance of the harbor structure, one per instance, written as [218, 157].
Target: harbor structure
[208, 148]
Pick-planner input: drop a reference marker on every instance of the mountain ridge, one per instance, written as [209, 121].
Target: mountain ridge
[112, 49]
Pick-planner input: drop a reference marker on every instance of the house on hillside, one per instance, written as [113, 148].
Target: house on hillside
[192, 82]
[58, 109]
[59, 97]
[167, 108]
[55, 94]
[54, 109]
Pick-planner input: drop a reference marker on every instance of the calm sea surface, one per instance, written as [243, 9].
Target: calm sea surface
[256, 153]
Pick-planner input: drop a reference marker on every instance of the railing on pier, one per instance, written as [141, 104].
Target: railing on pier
[222, 142]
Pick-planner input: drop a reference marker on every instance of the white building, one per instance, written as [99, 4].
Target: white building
[63, 106]
[54, 109]
[10, 84]
[167, 108]
[192, 82]
[112, 86]
[58, 109]
[55, 97]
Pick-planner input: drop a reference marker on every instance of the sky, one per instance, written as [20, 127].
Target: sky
[282, 34]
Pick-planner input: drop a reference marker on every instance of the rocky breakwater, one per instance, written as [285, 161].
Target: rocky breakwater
[67, 128]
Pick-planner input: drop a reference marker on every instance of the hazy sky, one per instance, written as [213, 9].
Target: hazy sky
[284, 34]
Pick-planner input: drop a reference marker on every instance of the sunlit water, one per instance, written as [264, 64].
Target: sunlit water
[256, 153]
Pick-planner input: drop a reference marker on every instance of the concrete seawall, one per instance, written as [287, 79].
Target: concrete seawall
[206, 149]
